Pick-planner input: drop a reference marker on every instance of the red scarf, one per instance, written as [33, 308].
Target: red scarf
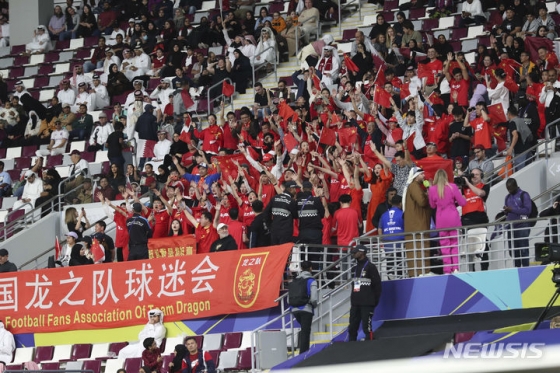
[325, 64]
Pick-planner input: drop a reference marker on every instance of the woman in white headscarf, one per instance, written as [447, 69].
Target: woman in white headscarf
[153, 329]
[417, 216]
[7, 345]
[266, 41]
[40, 43]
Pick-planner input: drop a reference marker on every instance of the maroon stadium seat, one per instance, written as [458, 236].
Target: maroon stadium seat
[232, 340]
[81, 351]
[28, 151]
[54, 160]
[215, 355]
[133, 364]
[22, 162]
[43, 353]
[94, 365]
[166, 360]
[244, 360]
[50, 366]
[116, 347]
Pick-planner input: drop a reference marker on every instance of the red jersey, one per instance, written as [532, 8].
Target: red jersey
[161, 227]
[235, 229]
[482, 132]
[268, 192]
[356, 204]
[435, 67]
[205, 236]
[461, 88]
[212, 138]
[345, 222]
[121, 236]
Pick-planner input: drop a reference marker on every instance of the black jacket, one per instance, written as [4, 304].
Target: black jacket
[310, 211]
[259, 234]
[139, 230]
[224, 244]
[280, 214]
[147, 126]
[366, 275]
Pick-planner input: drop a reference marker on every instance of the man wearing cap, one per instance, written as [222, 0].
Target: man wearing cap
[66, 95]
[203, 176]
[102, 98]
[6, 266]
[366, 291]
[280, 214]
[139, 231]
[79, 169]
[31, 191]
[310, 214]
[57, 145]
[147, 126]
[226, 242]
[100, 133]
[97, 57]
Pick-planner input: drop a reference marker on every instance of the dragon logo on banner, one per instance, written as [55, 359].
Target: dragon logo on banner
[248, 274]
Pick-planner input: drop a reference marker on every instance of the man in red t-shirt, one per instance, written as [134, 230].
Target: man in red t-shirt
[458, 81]
[198, 360]
[204, 231]
[481, 126]
[346, 222]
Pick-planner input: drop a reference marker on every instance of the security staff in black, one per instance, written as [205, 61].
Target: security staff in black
[280, 214]
[310, 211]
[366, 291]
[139, 231]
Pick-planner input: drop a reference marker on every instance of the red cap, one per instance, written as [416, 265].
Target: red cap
[267, 157]
[478, 147]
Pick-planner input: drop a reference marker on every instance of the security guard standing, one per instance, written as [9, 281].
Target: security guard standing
[310, 212]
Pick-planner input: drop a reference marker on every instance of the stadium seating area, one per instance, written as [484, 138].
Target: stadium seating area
[230, 351]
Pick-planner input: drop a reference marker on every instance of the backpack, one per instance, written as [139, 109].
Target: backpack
[299, 291]
[534, 212]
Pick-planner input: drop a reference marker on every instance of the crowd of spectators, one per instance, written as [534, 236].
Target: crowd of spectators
[353, 122]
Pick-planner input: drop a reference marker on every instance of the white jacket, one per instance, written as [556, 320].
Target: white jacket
[7, 344]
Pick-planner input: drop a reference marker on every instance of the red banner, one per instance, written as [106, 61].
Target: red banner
[169, 247]
[101, 296]
[432, 164]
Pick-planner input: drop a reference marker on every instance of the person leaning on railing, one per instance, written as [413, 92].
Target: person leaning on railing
[474, 212]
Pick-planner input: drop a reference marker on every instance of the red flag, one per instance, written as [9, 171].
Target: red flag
[350, 65]
[380, 76]
[511, 85]
[424, 71]
[57, 249]
[187, 100]
[497, 114]
[377, 61]
[290, 141]
[509, 65]
[146, 148]
[334, 119]
[328, 136]
[532, 45]
[431, 164]
[285, 111]
[97, 251]
[382, 97]
[316, 82]
[347, 136]
[227, 89]
[226, 163]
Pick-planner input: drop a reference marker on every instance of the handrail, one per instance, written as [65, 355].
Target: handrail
[547, 132]
[275, 62]
[348, 4]
[287, 311]
[220, 96]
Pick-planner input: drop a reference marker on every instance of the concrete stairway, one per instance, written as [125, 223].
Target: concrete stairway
[288, 68]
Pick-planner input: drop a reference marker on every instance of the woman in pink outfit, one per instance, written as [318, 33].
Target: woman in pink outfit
[443, 197]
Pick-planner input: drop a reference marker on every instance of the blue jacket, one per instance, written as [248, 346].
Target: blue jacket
[392, 222]
[208, 179]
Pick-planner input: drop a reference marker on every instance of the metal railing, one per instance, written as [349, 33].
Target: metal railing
[265, 65]
[357, 4]
[220, 97]
[332, 272]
